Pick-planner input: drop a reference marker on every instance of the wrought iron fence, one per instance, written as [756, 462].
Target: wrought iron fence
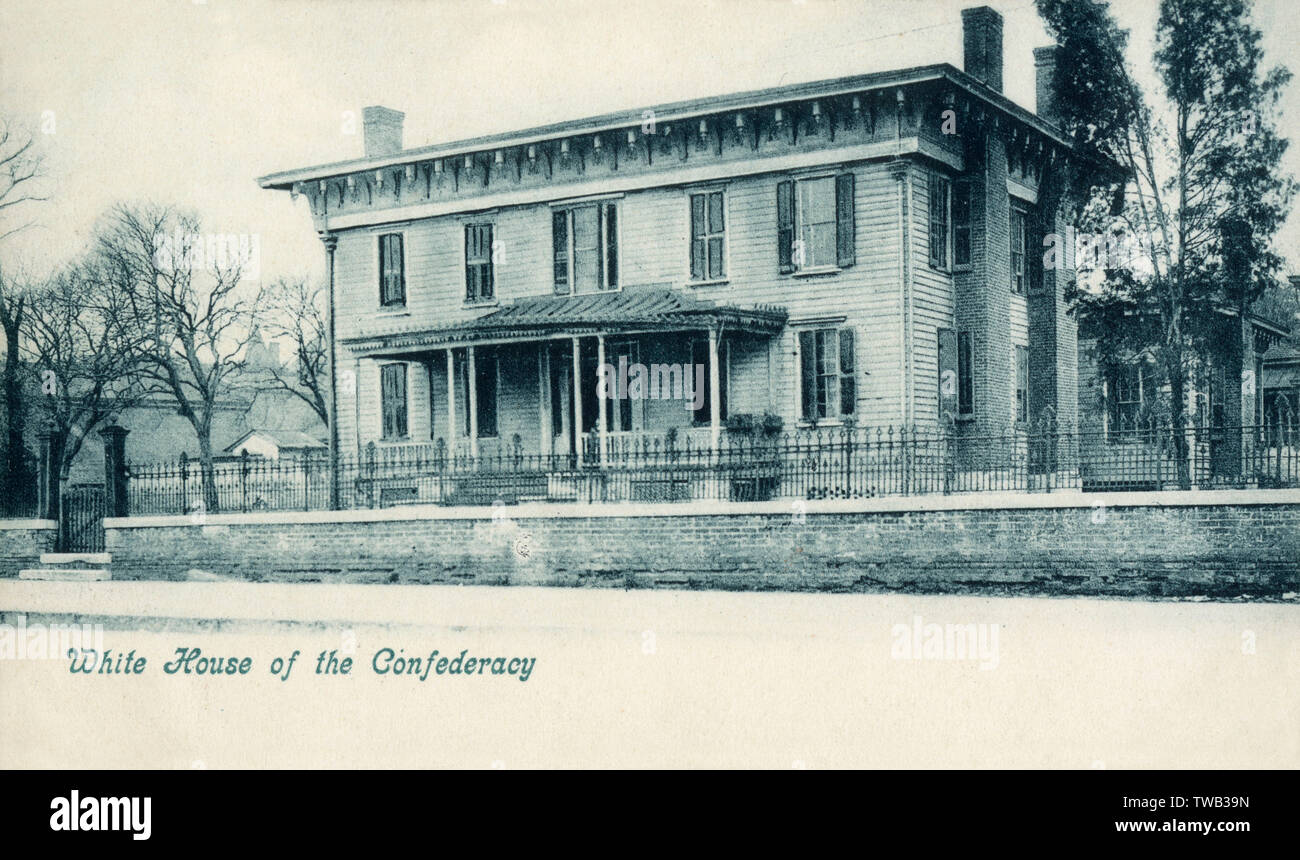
[843, 463]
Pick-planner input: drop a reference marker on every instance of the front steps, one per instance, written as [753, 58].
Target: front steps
[71, 567]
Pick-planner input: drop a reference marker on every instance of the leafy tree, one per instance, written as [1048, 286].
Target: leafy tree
[1202, 190]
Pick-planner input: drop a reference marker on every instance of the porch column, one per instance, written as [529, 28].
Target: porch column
[715, 396]
[472, 406]
[602, 410]
[544, 406]
[577, 401]
[451, 402]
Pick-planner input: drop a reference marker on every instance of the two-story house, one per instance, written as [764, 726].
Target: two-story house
[863, 251]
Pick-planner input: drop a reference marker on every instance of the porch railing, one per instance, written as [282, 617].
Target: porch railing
[827, 464]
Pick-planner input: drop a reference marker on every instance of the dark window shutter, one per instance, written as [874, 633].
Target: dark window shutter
[471, 270]
[393, 397]
[611, 245]
[697, 237]
[807, 374]
[848, 372]
[785, 226]
[489, 283]
[560, 249]
[845, 229]
[948, 380]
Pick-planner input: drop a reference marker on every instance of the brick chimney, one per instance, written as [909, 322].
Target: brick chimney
[1045, 80]
[982, 41]
[383, 130]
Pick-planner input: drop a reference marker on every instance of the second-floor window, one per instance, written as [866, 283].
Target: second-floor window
[479, 284]
[815, 223]
[708, 236]
[584, 241]
[939, 229]
[392, 271]
[827, 379]
[392, 399]
[961, 222]
[1018, 251]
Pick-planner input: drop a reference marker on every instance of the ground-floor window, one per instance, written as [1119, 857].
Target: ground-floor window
[392, 396]
[1022, 384]
[700, 358]
[485, 393]
[827, 373]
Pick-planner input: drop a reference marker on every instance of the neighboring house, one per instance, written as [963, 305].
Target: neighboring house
[854, 251]
[1227, 386]
[158, 432]
[275, 445]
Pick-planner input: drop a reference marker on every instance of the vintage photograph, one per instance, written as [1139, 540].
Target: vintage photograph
[563, 384]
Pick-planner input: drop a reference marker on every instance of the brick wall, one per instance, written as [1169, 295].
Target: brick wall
[1222, 543]
[22, 542]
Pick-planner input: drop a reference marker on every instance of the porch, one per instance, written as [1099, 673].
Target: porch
[590, 379]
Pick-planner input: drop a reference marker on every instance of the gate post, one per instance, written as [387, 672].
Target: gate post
[116, 499]
[51, 459]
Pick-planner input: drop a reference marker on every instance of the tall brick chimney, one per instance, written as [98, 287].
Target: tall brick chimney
[982, 43]
[383, 130]
[1044, 81]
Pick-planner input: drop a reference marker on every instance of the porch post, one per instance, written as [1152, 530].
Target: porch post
[451, 403]
[602, 410]
[577, 401]
[544, 406]
[715, 396]
[472, 405]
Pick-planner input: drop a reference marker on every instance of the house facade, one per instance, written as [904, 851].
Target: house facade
[862, 251]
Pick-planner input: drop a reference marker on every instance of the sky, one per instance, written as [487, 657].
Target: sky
[187, 102]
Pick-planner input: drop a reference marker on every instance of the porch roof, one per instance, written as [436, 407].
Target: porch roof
[542, 317]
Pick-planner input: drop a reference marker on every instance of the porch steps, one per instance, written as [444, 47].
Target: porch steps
[71, 567]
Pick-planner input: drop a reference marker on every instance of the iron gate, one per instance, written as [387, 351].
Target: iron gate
[82, 515]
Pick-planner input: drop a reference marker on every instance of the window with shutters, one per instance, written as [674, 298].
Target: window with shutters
[708, 237]
[392, 400]
[392, 271]
[584, 241]
[961, 191]
[827, 374]
[1018, 249]
[479, 275]
[815, 224]
[939, 221]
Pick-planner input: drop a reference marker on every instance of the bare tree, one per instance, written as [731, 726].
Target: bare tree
[82, 342]
[21, 169]
[291, 311]
[195, 325]
[22, 165]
